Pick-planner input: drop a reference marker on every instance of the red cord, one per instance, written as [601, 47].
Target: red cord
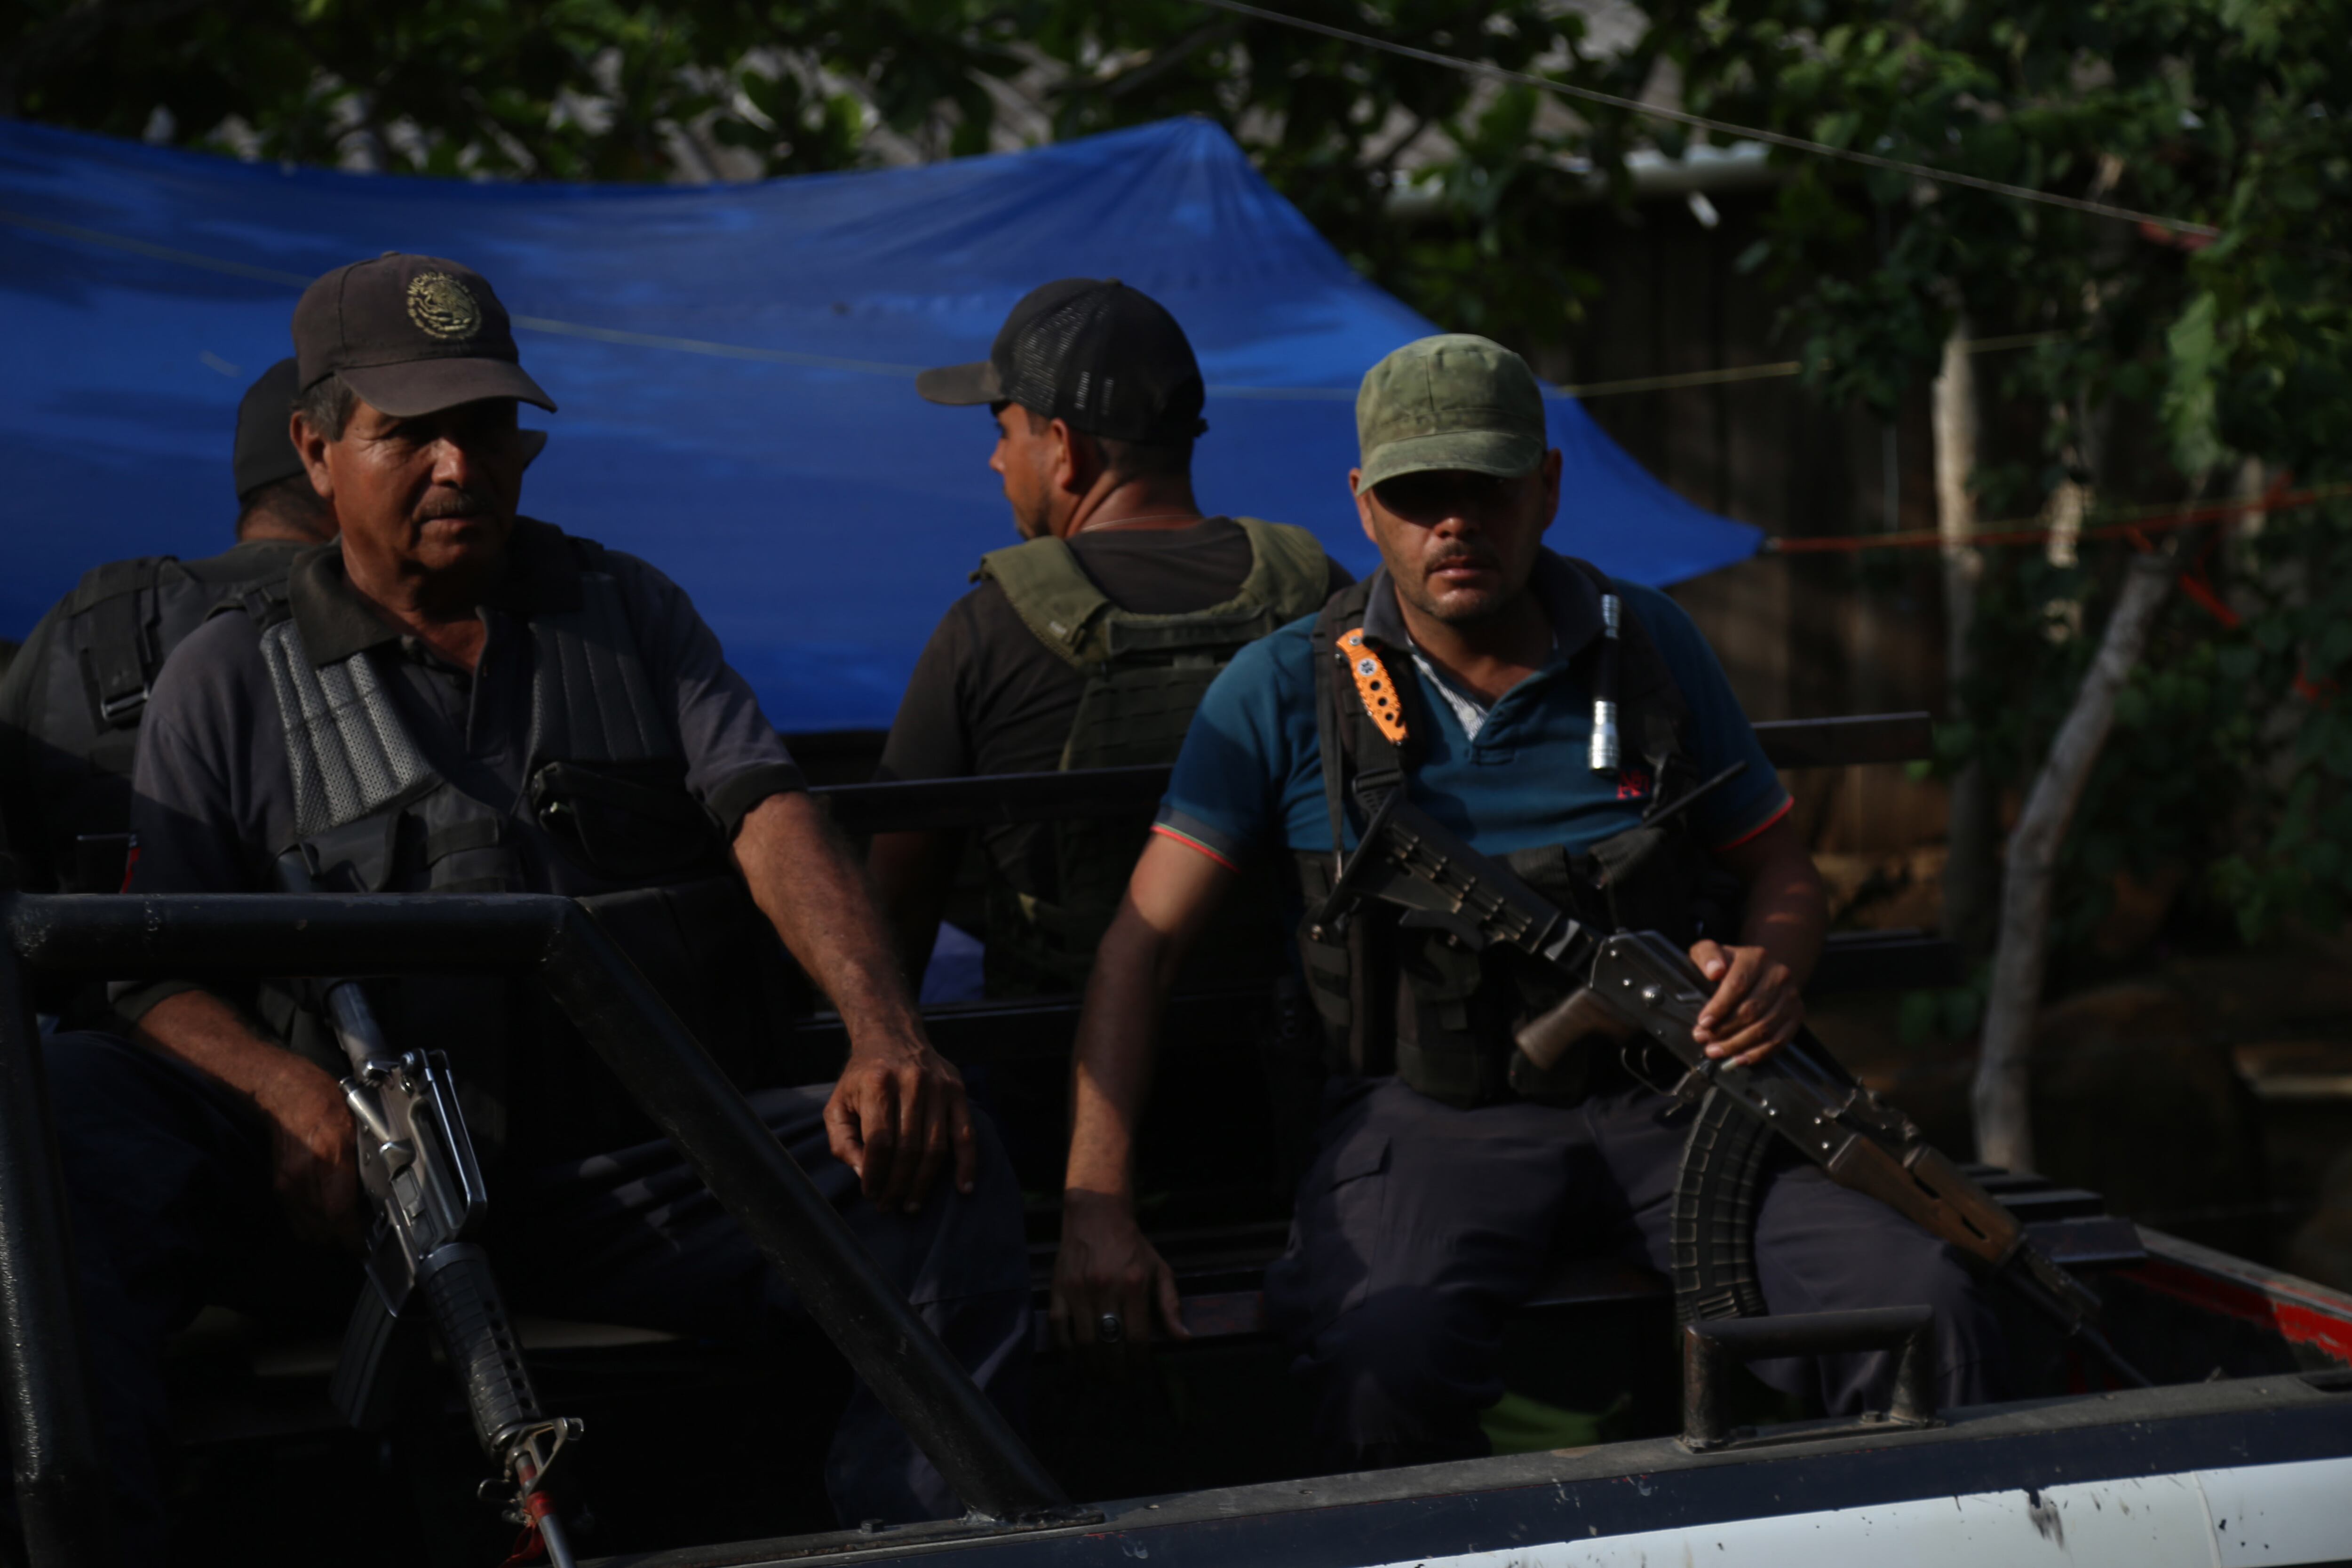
[530, 1547]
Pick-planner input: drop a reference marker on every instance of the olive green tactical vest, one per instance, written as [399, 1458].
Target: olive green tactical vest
[1145, 675]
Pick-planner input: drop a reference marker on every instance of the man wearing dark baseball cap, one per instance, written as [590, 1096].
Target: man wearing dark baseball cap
[1549, 712]
[1097, 399]
[72, 702]
[454, 699]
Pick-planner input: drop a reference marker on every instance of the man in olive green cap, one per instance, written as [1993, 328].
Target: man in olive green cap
[1542, 709]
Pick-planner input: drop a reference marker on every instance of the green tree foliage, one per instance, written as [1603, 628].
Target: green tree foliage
[2169, 362]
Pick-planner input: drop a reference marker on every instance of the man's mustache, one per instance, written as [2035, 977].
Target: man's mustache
[455, 504]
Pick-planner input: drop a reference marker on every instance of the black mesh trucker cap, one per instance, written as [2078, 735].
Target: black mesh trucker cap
[265, 450]
[1107, 358]
[412, 335]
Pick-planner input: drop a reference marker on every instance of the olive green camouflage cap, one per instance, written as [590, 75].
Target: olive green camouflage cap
[1454, 401]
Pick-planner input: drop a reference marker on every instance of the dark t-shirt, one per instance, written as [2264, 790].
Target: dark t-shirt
[987, 696]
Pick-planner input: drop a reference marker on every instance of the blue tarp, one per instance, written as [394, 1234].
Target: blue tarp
[735, 367]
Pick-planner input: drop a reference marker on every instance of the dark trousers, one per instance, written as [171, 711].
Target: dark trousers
[168, 1178]
[1420, 1227]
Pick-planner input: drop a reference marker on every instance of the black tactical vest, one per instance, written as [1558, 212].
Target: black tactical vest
[105, 644]
[1144, 677]
[1406, 1001]
[605, 791]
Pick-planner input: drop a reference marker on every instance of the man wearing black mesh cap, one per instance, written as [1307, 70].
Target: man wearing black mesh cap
[1088, 645]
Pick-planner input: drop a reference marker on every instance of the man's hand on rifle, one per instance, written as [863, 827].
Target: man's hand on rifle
[1756, 1008]
[1758, 1003]
[314, 1153]
[897, 1117]
[314, 1146]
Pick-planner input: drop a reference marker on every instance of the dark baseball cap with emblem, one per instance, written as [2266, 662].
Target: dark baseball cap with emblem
[412, 335]
[265, 450]
[1107, 358]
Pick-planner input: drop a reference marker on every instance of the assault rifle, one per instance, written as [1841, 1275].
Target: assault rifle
[418, 1168]
[1642, 993]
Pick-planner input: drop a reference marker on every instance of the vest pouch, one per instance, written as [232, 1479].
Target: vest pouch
[1441, 1050]
[1357, 1012]
[356, 858]
[626, 822]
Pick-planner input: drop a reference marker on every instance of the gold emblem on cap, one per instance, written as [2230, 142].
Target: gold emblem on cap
[440, 305]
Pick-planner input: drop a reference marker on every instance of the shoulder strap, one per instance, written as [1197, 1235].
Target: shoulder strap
[115, 617]
[350, 754]
[116, 578]
[1051, 593]
[1064, 608]
[1355, 733]
[1289, 573]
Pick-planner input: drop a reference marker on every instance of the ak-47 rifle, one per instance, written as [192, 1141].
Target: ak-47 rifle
[418, 1168]
[1635, 987]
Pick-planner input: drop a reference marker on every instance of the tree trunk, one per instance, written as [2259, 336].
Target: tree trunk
[1969, 877]
[2004, 1121]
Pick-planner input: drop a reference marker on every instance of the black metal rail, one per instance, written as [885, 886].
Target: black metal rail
[1036, 1028]
[924, 804]
[61, 1479]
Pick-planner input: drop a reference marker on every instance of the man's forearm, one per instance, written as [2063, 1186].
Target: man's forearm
[805, 882]
[1787, 912]
[1169, 900]
[200, 1029]
[1119, 1041]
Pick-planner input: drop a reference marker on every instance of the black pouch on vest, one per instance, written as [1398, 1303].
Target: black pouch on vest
[624, 821]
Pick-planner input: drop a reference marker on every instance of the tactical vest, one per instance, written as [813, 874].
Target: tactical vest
[605, 790]
[1144, 677]
[111, 637]
[1408, 1001]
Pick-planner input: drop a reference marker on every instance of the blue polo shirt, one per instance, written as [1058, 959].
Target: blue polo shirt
[1250, 777]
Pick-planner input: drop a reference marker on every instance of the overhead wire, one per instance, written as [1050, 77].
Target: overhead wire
[1720, 127]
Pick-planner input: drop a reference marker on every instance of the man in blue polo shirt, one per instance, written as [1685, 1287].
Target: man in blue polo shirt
[1545, 712]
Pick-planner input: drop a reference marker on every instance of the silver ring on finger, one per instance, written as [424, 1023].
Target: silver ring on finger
[1110, 1329]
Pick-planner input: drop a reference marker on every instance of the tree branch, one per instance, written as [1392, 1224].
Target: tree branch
[2001, 1099]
